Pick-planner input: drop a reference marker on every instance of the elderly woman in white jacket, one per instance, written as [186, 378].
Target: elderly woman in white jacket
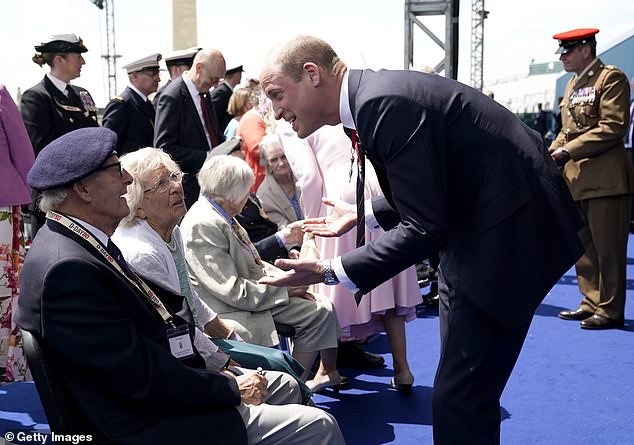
[226, 269]
[151, 243]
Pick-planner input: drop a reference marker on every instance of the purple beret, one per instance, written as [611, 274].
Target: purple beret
[72, 157]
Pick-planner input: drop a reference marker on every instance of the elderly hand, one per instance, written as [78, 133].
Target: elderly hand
[297, 291]
[342, 219]
[294, 235]
[299, 273]
[253, 388]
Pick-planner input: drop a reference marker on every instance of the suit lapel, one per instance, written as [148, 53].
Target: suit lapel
[191, 108]
[140, 104]
[71, 101]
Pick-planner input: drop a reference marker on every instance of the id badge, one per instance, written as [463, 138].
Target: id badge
[180, 342]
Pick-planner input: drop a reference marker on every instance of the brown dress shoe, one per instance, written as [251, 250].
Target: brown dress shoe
[577, 314]
[600, 322]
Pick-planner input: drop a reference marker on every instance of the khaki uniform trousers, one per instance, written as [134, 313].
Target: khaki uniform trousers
[601, 270]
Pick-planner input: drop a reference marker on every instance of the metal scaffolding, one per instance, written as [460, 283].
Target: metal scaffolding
[111, 51]
[478, 14]
[450, 9]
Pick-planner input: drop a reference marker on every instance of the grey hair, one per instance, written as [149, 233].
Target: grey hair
[225, 179]
[265, 145]
[52, 199]
[141, 164]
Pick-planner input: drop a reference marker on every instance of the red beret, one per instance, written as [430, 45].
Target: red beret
[570, 39]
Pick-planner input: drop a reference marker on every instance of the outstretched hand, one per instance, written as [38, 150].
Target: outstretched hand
[297, 273]
[340, 221]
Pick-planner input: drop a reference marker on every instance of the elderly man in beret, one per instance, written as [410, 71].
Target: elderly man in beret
[123, 346]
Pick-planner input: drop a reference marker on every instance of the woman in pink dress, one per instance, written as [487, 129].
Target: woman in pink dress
[322, 164]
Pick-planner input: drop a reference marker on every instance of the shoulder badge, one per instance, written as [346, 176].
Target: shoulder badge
[118, 98]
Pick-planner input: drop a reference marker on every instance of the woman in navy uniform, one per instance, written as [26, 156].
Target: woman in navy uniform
[53, 107]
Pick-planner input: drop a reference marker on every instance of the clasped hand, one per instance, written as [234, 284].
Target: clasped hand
[253, 388]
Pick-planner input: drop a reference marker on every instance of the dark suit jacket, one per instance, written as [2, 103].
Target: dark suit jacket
[220, 98]
[469, 179]
[110, 348]
[179, 131]
[261, 230]
[132, 119]
[49, 114]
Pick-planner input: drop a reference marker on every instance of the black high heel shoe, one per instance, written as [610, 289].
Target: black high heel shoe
[403, 383]
[332, 380]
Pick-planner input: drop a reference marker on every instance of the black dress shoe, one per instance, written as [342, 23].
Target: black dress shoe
[352, 355]
[600, 322]
[577, 314]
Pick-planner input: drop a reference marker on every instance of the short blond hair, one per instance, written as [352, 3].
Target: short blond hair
[291, 56]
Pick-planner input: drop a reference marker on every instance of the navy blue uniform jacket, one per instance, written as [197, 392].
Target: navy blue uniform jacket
[132, 119]
[462, 175]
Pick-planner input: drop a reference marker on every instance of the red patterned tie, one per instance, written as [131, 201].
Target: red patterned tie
[356, 145]
[213, 136]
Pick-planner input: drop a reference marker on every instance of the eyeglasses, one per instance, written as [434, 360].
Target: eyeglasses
[114, 164]
[163, 184]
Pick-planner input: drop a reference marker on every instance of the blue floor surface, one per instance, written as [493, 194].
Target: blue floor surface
[570, 386]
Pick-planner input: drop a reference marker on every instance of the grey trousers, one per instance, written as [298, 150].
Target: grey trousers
[282, 420]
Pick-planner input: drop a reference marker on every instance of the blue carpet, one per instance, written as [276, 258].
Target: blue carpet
[570, 386]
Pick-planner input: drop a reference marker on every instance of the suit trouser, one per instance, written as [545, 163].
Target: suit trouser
[601, 269]
[476, 360]
[281, 420]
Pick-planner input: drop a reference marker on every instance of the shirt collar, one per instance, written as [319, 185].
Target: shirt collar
[59, 84]
[345, 113]
[136, 90]
[586, 69]
[193, 91]
[224, 214]
[97, 233]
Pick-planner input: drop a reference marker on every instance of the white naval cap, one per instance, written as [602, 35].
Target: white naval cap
[146, 63]
[62, 43]
[181, 56]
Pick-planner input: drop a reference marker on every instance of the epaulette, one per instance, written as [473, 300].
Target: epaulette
[119, 98]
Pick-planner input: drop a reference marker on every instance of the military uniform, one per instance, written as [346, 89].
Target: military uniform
[49, 114]
[132, 118]
[595, 113]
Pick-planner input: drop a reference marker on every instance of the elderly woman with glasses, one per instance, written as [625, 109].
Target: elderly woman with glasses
[151, 243]
[226, 268]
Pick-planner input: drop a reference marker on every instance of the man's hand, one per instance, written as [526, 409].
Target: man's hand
[342, 219]
[560, 156]
[299, 273]
[253, 388]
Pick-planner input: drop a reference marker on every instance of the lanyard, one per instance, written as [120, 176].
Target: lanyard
[136, 282]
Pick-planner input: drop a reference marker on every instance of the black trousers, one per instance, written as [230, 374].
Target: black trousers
[477, 357]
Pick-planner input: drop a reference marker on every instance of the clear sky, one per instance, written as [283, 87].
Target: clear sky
[365, 33]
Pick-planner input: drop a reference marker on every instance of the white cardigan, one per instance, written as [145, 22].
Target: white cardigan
[148, 254]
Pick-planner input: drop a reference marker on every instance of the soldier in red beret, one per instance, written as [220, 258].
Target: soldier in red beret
[596, 167]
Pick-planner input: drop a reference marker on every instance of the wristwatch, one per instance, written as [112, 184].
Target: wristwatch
[330, 278]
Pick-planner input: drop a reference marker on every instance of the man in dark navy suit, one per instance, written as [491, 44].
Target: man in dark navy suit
[131, 115]
[461, 176]
[222, 93]
[186, 125]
